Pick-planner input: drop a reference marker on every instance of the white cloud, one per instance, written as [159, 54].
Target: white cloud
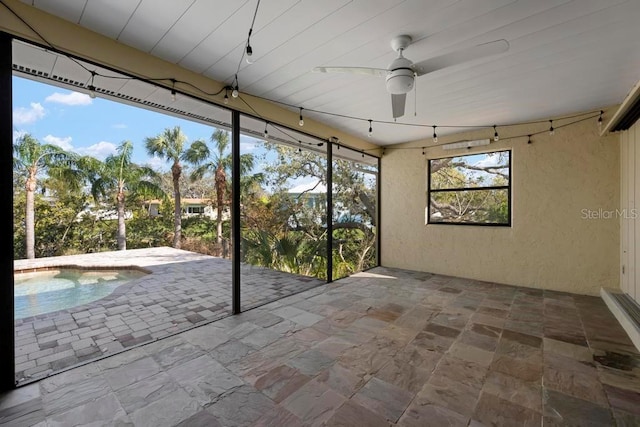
[491, 159]
[100, 150]
[24, 116]
[158, 164]
[71, 98]
[119, 126]
[247, 146]
[17, 134]
[64, 142]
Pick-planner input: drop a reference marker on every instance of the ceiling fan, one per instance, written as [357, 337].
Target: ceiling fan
[401, 73]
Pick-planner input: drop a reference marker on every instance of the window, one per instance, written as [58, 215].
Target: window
[195, 209]
[474, 189]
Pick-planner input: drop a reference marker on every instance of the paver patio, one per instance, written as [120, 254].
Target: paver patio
[183, 289]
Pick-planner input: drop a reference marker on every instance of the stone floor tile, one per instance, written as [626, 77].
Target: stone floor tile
[311, 362]
[522, 369]
[625, 400]
[73, 394]
[428, 414]
[560, 409]
[471, 354]
[492, 410]
[480, 340]
[145, 391]
[22, 406]
[353, 415]
[280, 382]
[278, 417]
[231, 351]
[573, 351]
[456, 397]
[130, 373]
[527, 394]
[626, 419]
[242, 407]
[340, 379]
[383, 398]
[400, 372]
[314, 403]
[461, 371]
[167, 411]
[207, 337]
[103, 411]
[200, 419]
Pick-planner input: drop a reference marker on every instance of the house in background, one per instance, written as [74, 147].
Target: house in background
[190, 207]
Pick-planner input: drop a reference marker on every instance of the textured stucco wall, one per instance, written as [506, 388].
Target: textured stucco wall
[549, 245]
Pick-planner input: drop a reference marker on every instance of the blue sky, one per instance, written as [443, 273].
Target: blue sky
[78, 123]
[75, 122]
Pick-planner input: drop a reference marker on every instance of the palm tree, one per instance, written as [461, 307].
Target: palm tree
[220, 162]
[170, 145]
[119, 175]
[31, 159]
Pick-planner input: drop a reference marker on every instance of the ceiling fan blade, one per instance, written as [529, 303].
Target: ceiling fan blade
[460, 56]
[397, 104]
[379, 72]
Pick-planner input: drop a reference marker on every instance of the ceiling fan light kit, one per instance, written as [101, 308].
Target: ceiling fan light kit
[401, 73]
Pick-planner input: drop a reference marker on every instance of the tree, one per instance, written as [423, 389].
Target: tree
[170, 145]
[474, 189]
[354, 209]
[118, 176]
[219, 161]
[31, 158]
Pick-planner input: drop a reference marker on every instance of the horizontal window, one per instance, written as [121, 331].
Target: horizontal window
[473, 189]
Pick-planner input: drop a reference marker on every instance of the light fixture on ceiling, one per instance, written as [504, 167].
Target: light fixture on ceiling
[173, 90]
[301, 121]
[234, 92]
[266, 131]
[226, 96]
[370, 134]
[249, 52]
[466, 144]
[496, 137]
[552, 131]
[600, 121]
[529, 139]
[435, 135]
[91, 87]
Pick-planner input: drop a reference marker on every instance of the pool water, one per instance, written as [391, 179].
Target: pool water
[48, 291]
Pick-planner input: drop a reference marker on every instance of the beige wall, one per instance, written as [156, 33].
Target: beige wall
[549, 244]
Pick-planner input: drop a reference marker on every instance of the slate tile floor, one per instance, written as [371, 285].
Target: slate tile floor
[382, 348]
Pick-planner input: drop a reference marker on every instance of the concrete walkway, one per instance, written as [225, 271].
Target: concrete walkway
[183, 289]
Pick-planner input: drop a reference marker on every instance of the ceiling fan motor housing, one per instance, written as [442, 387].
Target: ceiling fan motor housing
[400, 77]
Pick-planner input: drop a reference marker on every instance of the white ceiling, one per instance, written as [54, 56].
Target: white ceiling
[565, 56]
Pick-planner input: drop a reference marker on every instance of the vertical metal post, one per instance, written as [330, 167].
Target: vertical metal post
[7, 326]
[329, 212]
[378, 213]
[235, 211]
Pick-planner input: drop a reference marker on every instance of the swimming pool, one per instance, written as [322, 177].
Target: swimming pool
[51, 290]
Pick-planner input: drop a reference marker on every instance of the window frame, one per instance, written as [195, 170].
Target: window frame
[507, 187]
